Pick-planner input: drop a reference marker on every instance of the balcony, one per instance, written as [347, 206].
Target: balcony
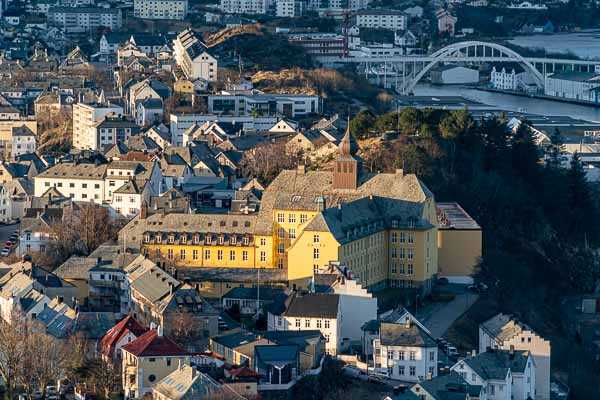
[105, 283]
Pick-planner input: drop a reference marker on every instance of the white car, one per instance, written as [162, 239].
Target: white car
[4, 252]
[452, 351]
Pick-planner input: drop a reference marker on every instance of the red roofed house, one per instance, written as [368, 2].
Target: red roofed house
[122, 333]
[148, 359]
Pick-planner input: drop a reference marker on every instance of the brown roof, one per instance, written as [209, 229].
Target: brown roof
[150, 344]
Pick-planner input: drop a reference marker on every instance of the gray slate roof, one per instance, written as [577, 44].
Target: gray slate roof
[313, 305]
[495, 364]
[393, 334]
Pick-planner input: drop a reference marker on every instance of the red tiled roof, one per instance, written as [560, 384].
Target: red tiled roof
[244, 373]
[150, 344]
[120, 330]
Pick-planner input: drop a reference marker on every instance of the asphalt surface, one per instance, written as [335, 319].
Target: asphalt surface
[443, 316]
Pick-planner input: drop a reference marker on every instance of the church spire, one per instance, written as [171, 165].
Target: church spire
[345, 145]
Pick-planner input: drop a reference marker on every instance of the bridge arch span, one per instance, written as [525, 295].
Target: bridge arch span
[453, 51]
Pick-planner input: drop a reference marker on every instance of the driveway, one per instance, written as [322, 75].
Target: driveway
[444, 315]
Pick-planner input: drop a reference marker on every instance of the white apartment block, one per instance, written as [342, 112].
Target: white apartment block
[312, 311]
[405, 351]
[286, 8]
[84, 19]
[121, 184]
[191, 56]
[382, 19]
[160, 9]
[245, 6]
[85, 119]
[504, 332]
[285, 105]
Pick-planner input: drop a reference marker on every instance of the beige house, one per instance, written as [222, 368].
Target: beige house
[459, 243]
[313, 144]
[504, 332]
[148, 359]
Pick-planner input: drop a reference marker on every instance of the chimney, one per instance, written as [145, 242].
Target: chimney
[144, 210]
[152, 326]
[407, 322]
[99, 260]
[429, 376]
[473, 353]
[400, 172]
[301, 169]
[511, 351]
[159, 331]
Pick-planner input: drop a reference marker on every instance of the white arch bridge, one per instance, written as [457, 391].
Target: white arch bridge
[404, 72]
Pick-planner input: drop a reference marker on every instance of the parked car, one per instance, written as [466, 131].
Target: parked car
[478, 288]
[442, 281]
[353, 371]
[375, 379]
[5, 252]
[451, 351]
[8, 243]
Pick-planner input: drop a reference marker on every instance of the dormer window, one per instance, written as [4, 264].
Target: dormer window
[196, 239]
[233, 240]
[246, 241]
[147, 239]
[158, 238]
[208, 239]
[171, 239]
[411, 223]
[221, 239]
[184, 239]
[394, 223]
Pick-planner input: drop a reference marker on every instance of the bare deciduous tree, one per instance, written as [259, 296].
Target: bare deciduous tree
[81, 231]
[46, 357]
[106, 377]
[267, 161]
[13, 350]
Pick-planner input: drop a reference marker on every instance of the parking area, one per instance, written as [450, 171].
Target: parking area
[8, 239]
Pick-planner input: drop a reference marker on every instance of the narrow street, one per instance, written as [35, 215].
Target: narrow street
[442, 316]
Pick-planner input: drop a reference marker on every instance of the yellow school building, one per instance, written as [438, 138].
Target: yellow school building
[382, 226]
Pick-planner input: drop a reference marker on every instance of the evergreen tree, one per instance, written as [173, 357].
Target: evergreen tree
[362, 123]
[555, 150]
[583, 218]
[524, 153]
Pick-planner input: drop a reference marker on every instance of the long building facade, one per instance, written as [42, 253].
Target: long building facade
[382, 226]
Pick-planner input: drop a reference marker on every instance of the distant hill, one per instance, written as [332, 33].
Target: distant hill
[257, 48]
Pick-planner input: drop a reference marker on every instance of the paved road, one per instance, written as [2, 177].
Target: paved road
[440, 319]
[5, 232]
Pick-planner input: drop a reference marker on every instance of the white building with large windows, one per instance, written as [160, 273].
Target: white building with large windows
[160, 9]
[405, 351]
[245, 6]
[310, 311]
[382, 19]
[123, 185]
[191, 56]
[85, 118]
